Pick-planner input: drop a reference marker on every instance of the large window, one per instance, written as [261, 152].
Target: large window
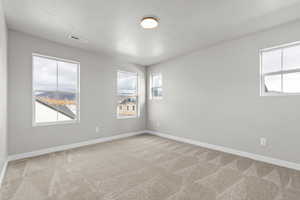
[156, 85]
[127, 94]
[55, 90]
[280, 70]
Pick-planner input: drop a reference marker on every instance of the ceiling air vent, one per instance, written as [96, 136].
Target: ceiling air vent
[74, 37]
[77, 38]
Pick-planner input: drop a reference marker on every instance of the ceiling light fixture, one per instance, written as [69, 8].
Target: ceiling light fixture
[149, 22]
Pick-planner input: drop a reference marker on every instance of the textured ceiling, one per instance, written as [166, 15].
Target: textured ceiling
[112, 26]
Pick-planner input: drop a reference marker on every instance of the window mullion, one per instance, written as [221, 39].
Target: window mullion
[56, 87]
[282, 70]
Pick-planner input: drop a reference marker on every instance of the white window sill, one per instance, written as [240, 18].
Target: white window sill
[55, 123]
[127, 117]
[279, 94]
[156, 98]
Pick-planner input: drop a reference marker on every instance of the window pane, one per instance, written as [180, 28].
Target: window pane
[45, 74]
[127, 94]
[291, 58]
[291, 82]
[157, 92]
[67, 91]
[45, 85]
[273, 83]
[271, 61]
[44, 111]
[156, 80]
[127, 106]
[156, 85]
[127, 83]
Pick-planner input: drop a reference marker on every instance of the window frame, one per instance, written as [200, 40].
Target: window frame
[281, 72]
[151, 86]
[77, 120]
[137, 115]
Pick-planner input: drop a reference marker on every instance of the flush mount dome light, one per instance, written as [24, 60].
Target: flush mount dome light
[149, 22]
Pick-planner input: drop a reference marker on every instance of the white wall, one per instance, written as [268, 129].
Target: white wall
[98, 96]
[213, 96]
[3, 88]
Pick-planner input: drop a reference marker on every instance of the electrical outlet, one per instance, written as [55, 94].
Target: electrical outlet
[97, 129]
[263, 142]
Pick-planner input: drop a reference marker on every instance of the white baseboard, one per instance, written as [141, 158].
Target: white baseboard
[252, 156]
[2, 172]
[71, 146]
[257, 157]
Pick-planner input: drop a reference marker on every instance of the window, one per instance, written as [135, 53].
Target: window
[55, 91]
[156, 86]
[280, 70]
[127, 94]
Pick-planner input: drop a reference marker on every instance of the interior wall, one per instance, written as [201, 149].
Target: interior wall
[3, 88]
[213, 96]
[98, 97]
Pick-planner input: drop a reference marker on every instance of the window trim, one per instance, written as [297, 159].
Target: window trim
[77, 120]
[262, 76]
[137, 115]
[151, 81]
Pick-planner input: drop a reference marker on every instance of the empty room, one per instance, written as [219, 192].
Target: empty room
[149, 100]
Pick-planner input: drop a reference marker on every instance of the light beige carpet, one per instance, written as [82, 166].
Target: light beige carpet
[147, 168]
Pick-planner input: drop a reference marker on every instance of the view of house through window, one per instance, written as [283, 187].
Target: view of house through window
[156, 85]
[127, 94]
[55, 90]
[280, 70]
